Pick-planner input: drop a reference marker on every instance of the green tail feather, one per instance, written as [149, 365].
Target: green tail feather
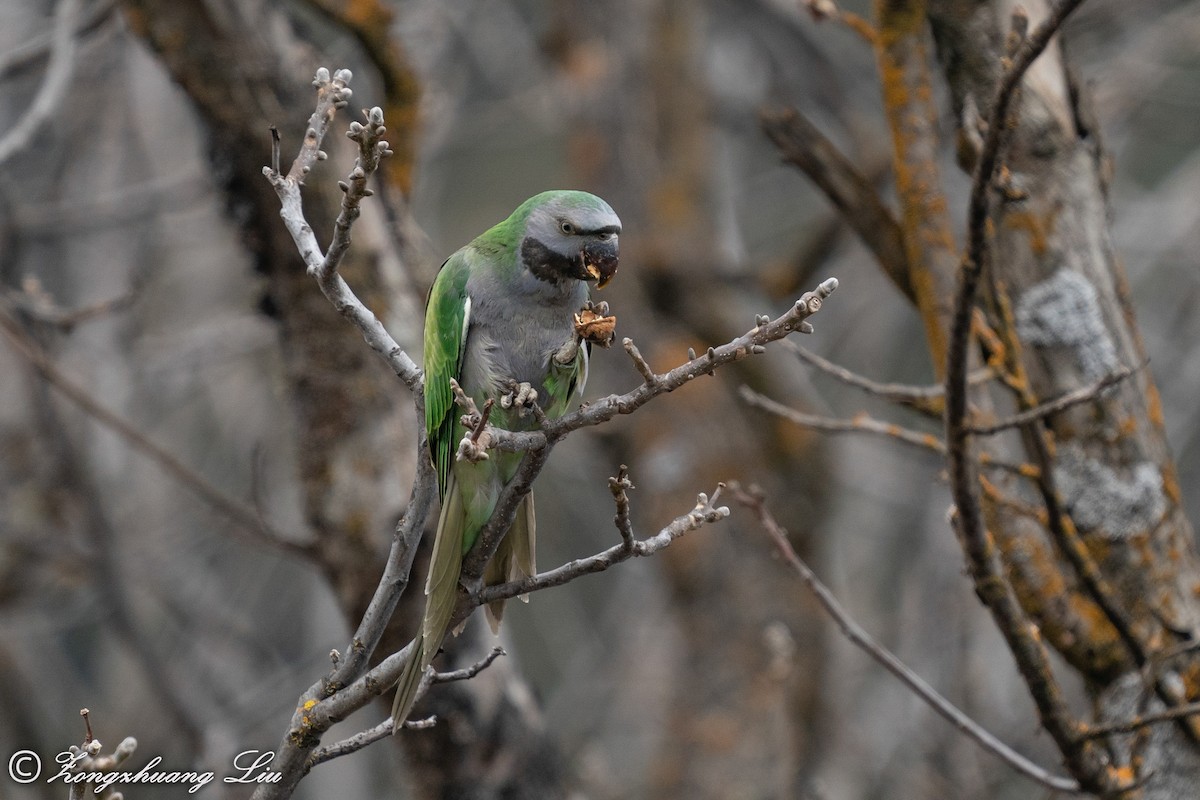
[407, 686]
[515, 559]
[441, 592]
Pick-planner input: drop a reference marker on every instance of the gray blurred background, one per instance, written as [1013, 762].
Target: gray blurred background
[704, 672]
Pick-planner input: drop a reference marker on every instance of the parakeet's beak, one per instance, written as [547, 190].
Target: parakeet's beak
[599, 261]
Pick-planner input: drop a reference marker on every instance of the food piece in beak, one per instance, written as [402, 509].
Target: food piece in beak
[600, 262]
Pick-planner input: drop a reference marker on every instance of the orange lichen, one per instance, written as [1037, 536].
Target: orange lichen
[1170, 480]
[1030, 471]
[859, 25]
[902, 62]
[1031, 224]
[1154, 409]
[1123, 775]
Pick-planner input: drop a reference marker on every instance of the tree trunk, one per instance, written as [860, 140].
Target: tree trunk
[1059, 302]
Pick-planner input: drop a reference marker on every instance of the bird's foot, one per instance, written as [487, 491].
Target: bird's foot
[474, 446]
[567, 354]
[521, 396]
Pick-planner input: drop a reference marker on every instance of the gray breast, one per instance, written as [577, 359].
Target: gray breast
[514, 330]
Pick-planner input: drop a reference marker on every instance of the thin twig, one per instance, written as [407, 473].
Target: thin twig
[275, 148]
[638, 361]
[37, 304]
[619, 486]
[54, 86]
[466, 673]
[1084, 394]
[925, 399]
[754, 500]
[245, 517]
[352, 744]
[703, 513]
[861, 423]
[483, 420]
[1142, 721]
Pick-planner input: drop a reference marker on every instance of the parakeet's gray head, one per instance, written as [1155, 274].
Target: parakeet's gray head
[569, 235]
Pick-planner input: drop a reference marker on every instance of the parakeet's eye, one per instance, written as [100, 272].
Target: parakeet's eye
[566, 227]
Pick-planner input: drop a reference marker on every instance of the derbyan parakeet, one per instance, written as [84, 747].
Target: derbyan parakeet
[501, 322]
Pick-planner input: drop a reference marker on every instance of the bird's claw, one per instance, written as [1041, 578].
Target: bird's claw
[521, 396]
[474, 446]
[567, 354]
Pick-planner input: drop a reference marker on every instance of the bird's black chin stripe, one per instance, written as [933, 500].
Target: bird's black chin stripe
[546, 264]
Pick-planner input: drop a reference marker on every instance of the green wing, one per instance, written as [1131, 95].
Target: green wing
[446, 318]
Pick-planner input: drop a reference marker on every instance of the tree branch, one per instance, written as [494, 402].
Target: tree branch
[861, 423]
[383, 730]
[54, 85]
[1143, 720]
[1084, 394]
[246, 519]
[334, 93]
[925, 399]
[804, 146]
[754, 500]
[704, 512]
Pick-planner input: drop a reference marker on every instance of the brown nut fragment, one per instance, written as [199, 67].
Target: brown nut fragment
[595, 328]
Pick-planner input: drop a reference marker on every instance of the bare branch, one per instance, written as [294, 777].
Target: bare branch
[371, 149]
[1143, 720]
[352, 744]
[87, 758]
[619, 485]
[34, 301]
[861, 423]
[1084, 394]
[805, 147]
[319, 710]
[466, 673]
[332, 94]
[54, 86]
[704, 512]
[246, 518]
[754, 500]
[925, 399]
[642, 367]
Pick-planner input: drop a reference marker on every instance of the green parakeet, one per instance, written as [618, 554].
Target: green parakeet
[500, 321]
